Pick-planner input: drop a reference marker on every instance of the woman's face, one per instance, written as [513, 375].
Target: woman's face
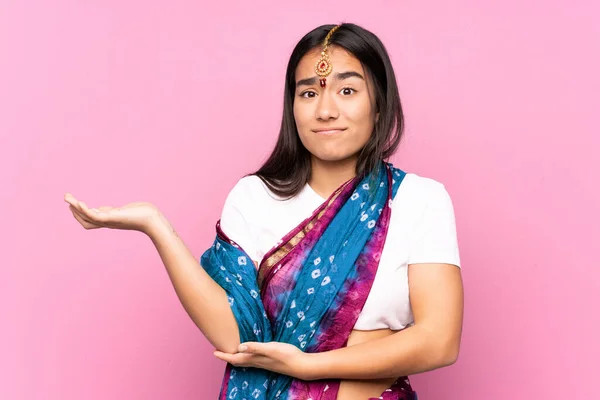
[335, 122]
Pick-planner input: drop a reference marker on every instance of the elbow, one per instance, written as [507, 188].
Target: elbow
[443, 349]
[449, 357]
[226, 342]
[230, 348]
[447, 352]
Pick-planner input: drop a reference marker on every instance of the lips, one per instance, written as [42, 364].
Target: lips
[329, 131]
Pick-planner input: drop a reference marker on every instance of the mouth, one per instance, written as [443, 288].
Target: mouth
[328, 131]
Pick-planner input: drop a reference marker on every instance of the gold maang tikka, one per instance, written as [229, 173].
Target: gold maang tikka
[323, 66]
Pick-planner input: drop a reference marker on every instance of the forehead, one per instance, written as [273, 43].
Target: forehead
[341, 60]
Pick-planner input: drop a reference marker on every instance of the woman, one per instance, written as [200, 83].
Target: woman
[312, 280]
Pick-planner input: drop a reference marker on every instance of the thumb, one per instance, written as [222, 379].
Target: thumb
[251, 347]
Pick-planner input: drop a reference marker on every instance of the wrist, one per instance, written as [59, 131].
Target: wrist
[156, 224]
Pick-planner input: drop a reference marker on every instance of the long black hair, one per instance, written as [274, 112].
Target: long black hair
[288, 168]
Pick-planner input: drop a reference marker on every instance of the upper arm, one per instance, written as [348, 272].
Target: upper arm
[436, 297]
[434, 273]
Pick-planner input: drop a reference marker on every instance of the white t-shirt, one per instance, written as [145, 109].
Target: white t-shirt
[422, 230]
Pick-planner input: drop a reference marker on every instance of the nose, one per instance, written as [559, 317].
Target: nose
[326, 107]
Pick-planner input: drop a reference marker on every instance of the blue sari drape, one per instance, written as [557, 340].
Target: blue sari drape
[309, 290]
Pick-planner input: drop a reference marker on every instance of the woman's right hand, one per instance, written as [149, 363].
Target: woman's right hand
[134, 216]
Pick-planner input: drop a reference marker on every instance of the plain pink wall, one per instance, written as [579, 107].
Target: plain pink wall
[172, 102]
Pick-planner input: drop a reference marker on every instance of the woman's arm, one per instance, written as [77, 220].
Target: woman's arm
[436, 295]
[202, 298]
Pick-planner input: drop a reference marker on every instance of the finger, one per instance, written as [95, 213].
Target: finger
[78, 214]
[252, 348]
[70, 199]
[237, 359]
[86, 218]
[74, 203]
[94, 214]
[223, 356]
[85, 223]
[84, 211]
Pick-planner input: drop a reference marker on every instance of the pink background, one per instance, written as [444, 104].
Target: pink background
[172, 102]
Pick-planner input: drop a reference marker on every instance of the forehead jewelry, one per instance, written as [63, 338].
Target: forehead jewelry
[323, 66]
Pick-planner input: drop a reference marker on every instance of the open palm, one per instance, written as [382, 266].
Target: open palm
[133, 216]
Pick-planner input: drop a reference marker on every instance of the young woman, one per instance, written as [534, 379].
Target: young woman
[333, 275]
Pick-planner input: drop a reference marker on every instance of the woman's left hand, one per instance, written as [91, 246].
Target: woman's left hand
[278, 357]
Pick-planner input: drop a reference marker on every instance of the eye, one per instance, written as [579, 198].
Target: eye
[347, 91]
[308, 94]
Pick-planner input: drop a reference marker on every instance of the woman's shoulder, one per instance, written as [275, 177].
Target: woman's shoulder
[420, 188]
[418, 195]
[250, 191]
[424, 208]
[249, 185]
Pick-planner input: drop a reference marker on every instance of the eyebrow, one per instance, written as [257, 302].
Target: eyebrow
[338, 76]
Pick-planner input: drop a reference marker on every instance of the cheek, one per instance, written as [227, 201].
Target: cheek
[302, 124]
[301, 116]
[363, 117]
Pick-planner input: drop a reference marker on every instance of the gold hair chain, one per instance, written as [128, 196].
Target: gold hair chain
[323, 67]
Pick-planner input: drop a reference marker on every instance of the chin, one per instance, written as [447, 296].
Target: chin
[333, 156]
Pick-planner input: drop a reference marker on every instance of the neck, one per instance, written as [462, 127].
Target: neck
[327, 176]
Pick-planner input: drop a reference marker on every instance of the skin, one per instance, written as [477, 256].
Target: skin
[202, 298]
[373, 359]
[347, 102]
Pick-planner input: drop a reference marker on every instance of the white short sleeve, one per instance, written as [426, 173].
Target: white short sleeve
[233, 221]
[434, 238]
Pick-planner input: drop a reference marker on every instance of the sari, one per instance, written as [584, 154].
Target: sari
[309, 289]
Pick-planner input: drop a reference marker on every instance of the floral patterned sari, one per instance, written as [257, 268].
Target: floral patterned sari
[310, 289]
